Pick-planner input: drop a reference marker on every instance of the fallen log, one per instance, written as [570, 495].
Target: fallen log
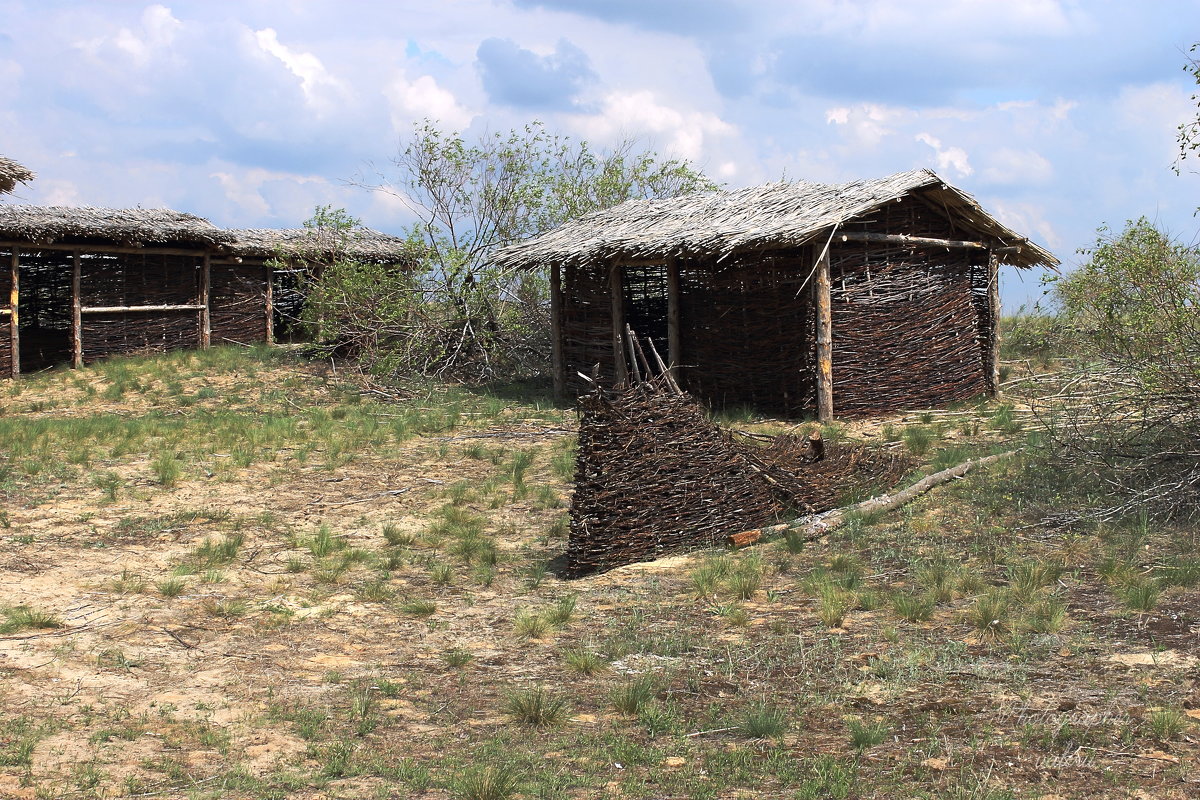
[814, 526]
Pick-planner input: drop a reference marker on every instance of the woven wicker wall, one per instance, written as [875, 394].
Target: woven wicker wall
[909, 323]
[45, 308]
[587, 325]
[5, 295]
[135, 280]
[237, 303]
[747, 332]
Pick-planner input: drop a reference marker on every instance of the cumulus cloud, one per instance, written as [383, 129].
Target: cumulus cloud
[1028, 219]
[952, 158]
[422, 97]
[1017, 167]
[866, 125]
[518, 77]
[153, 38]
[681, 133]
[314, 78]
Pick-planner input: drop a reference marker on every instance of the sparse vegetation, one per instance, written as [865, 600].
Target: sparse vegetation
[385, 638]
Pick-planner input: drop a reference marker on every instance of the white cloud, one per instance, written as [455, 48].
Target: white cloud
[305, 66]
[866, 125]
[953, 158]
[155, 36]
[1027, 219]
[414, 100]
[245, 188]
[681, 133]
[1017, 167]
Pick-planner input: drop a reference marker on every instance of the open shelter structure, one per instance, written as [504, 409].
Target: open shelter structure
[79, 284]
[792, 298]
[295, 255]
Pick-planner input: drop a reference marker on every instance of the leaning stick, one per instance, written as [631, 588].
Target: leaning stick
[814, 526]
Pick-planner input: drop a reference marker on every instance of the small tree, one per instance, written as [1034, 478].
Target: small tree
[471, 197]
[1134, 308]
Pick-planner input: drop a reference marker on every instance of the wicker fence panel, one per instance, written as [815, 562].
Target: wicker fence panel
[45, 308]
[5, 319]
[237, 303]
[747, 333]
[587, 325]
[138, 280]
[653, 475]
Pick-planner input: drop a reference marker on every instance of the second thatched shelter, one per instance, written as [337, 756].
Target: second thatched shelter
[793, 298]
[79, 284]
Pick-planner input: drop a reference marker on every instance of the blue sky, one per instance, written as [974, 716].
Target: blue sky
[1058, 116]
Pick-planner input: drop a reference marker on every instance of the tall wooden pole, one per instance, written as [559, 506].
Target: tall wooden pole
[620, 371]
[269, 276]
[993, 365]
[76, 312]
[557, 366]
[674, 337]
[824, 340]
[14, 323]
[205, 312]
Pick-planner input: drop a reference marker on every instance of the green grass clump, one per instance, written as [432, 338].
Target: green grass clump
[418, 608]
[536, 706]
[992, 614]
[18, 618]
[486, 783]
[1139, 594]
[865, 735]
[707, 578]
[560, 613]
[167, 468]
[1166, 724]
[530, 624]
[218, 552]
[631, 696]
[584, 661]
[171, 587]
[763, 721]
[457, 657]
[834, 603]
[746, 578]
[913, 607]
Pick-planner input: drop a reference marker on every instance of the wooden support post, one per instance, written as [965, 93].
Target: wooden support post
[824, 340]
[14, 323]
[993, 365]
[620, 371]
[205, 312]
[674, 337]
[269, 275]
[557, 366]
[76, 312]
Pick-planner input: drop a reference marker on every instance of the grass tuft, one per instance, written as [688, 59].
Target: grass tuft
[536, 706]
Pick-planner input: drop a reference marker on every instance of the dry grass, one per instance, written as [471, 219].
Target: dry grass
[316, 595]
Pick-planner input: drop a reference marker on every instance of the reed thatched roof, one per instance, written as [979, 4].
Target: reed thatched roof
[12, 173]
[761, 217]
[361, 244]
[133, 227]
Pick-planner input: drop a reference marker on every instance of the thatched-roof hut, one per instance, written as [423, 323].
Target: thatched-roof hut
[790, 297]
[12, 173]
[293, 254]
[78, 284]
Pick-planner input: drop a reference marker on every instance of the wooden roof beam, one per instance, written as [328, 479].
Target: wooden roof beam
[905, 239]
